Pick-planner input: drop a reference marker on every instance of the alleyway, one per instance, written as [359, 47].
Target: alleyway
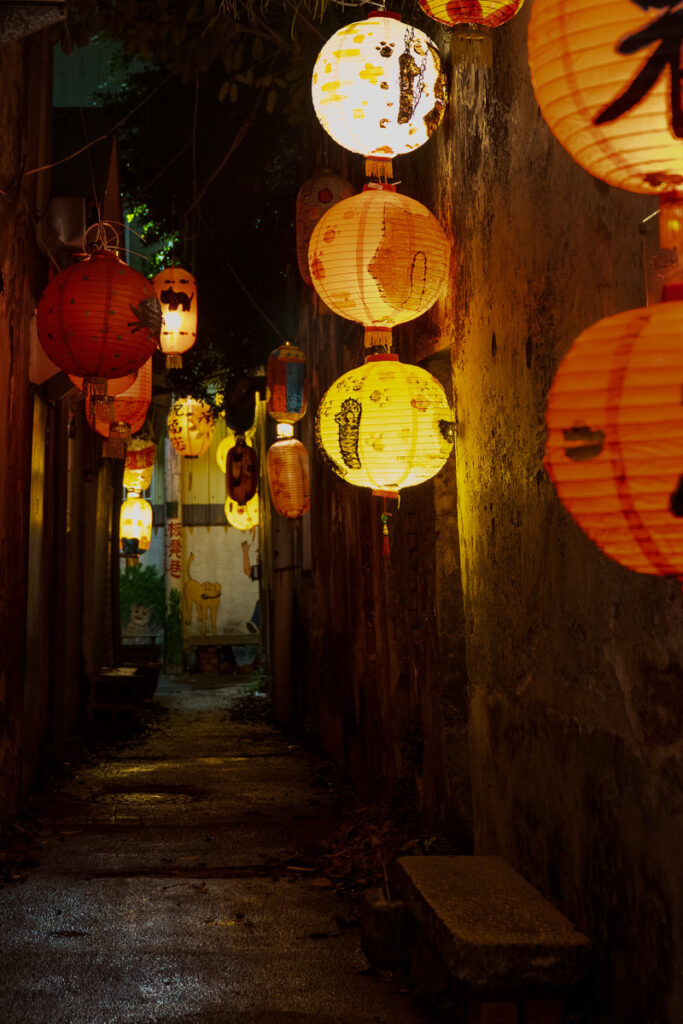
[164, 891]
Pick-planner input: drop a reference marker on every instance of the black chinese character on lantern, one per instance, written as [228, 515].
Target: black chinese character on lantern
[667, 30]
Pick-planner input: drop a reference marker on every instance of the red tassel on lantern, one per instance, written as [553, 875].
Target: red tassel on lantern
[129, 414]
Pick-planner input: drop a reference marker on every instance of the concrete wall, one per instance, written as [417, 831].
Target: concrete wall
[494, 607]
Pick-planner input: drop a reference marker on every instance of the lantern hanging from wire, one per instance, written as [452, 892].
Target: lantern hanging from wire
[226, 444]
[606, 74]
[176, 290]
[128, 416]
[315, 197]
[104, 404]
[379, 89]
[379, 258]
[190, 426]
[487, 13]
[286, 384]
[289, 474]
[135, 528]
[615, 435]
[99, 319]
[243, 517]
[241, 471]
[139, 465]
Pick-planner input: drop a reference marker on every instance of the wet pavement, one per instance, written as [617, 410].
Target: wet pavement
[167, 890]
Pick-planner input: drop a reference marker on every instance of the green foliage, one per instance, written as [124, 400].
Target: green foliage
[173, 631]
[142, 585]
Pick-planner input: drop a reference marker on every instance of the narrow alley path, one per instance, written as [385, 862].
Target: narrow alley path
[164, 891]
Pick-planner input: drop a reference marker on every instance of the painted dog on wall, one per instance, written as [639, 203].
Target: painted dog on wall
[204, 596]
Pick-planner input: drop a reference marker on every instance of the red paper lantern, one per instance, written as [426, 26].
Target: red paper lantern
[288, 477]
[241, 477]
[489, 13]
[99, 318]
[287, 383]
[615, 435]
[315, 197]
[129, 414]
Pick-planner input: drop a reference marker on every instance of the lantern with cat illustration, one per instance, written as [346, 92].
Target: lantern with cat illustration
[176, 290]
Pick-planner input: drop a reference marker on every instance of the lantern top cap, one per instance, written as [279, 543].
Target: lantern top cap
[381, 186]
[382, 357]
[384, 14]
[672, 291]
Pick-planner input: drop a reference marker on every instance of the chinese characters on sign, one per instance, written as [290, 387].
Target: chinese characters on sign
[173, 549]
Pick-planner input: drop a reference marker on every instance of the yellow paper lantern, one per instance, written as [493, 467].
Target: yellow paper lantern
[379, 88]
[243, 517]
[379, 258]
[606, 77]
[176, 290]
[385, 425]
[139, 465]
[135, 528]
[190, 427]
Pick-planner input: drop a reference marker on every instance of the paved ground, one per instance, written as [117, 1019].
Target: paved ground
[164, 891]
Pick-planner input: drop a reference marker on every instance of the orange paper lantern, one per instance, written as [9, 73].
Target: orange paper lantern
[489, 13]
[190, 427]
[606, 77]
[615, 436]
[128, 415]
[139, 466]
[315, 197]
[379, 258]
[288, 477]
[176, 290]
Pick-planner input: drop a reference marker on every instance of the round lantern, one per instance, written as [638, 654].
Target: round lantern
[190, 427]
[314, 198]
[379, 258]
[243, 517]
[385, 425]
[129, 412]
[241, 472]
[103, 404]
[379, 89]
[176, 290]
[606, 77]
[615, 435]
[287, 384]
[99, 318]
[288, 475]
[139, 465]
[489, 13]
[135, 528]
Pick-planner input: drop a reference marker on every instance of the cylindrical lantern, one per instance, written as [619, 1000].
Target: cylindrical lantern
[135, 528]
[314, 198]
[379, 89]
[606, 74]
[241, 472]
[289, 477]
[379, 258]
[99, 318]
[615, 435]
[489, 13]
[385, 425]
[139, 466]
[287, 383]
[190, 427]
[176, 290]
[128, 415]
[243, 517]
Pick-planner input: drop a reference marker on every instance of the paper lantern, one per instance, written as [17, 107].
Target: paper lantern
[241, 473]
[190, 427]
[99, 318]
[129, 412]
[288, 477]
[602, 75]
[135, 528]
[139, 465]
[314, 198]
[243, 517]
[287, 384]
[379, 258]
[379, 89]
[489, 13]
[615, 435]
[385, 425]
[102, 397]
[176, 290]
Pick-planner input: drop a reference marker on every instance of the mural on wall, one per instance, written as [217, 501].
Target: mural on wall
[143, 602]
[204, 597]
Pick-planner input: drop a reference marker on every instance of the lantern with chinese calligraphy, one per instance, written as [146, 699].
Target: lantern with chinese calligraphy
[243, 517]
[190, 427]
[385, 425]
[615, 435]
[379, 89]
[139, 465]
[99, 319]
[241, 472]
[379, 258]
[488, 13]
[606, 74]
[129, 414]
[288, 474]
[135, 528]
[314, 198]
[176, 290]
[287, 384]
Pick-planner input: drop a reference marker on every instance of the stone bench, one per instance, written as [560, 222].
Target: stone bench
[495, 934]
